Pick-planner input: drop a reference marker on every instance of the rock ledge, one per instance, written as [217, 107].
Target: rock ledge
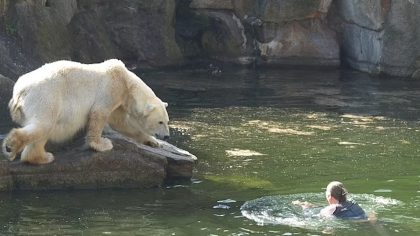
[128, 165]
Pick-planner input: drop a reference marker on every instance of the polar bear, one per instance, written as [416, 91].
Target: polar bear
[57, 100]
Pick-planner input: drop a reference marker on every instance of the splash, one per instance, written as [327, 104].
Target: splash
[279, 210]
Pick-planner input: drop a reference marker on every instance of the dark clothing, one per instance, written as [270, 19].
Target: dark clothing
[350, 210]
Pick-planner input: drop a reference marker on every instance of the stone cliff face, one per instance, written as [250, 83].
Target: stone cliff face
[378, 36]
[268, 32]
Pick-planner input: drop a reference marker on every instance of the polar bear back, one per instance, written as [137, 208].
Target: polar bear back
[65, 77]
[63, 93]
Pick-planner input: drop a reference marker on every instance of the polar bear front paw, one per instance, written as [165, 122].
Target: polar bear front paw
[152, 142]
[47, 158]
[102, 145]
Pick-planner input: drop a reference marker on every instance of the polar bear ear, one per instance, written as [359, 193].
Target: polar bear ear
[149, 108]
[165, 104]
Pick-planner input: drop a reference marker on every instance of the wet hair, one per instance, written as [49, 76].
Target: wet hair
[338, 191]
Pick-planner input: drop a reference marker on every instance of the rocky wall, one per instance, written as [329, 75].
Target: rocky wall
[380, 36]
[141, 33]
[268, 32]
[377, 36]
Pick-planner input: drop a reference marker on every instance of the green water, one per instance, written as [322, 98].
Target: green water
[280, 133]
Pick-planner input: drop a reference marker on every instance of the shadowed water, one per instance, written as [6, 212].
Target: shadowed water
[281, 133]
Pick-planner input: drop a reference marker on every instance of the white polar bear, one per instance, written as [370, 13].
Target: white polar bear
[57, 100]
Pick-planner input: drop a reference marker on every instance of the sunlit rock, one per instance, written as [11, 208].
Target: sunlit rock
[128, 165]
[380, 36]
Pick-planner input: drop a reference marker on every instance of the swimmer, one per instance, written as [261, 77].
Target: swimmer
[339, 206]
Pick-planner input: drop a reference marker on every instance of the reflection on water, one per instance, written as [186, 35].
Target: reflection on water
[257, 133]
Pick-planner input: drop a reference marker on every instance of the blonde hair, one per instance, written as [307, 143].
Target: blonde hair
[337, 190]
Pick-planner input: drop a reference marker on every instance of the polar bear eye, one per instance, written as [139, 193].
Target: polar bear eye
[161, 122]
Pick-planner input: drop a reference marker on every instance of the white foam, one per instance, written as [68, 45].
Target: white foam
[227, 201]
[236, 152]
[279, 210]
[382, 190]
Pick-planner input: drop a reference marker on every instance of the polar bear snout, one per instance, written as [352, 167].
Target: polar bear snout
[162, 131]
[162, 136]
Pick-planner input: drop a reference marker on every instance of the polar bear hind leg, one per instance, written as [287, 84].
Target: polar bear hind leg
[31, 139]
[35, 153]
[13, 144]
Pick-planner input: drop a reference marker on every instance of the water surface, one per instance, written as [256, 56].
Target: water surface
[279, 133]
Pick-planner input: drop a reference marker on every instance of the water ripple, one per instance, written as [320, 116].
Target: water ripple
[279, 210]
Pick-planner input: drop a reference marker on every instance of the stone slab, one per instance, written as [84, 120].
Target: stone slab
[128, 165]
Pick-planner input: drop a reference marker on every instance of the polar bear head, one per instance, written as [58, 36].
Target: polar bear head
[145, 111]
[156, 119]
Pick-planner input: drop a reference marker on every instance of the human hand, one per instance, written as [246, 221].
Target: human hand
[304, 204]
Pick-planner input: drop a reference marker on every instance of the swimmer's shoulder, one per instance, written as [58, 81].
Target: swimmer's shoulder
[328, 211]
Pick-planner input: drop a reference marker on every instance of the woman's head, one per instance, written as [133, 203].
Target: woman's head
[336, 190]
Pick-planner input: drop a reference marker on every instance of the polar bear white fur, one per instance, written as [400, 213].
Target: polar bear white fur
[57, 100]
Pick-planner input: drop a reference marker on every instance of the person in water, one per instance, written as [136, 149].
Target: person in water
[339, 205]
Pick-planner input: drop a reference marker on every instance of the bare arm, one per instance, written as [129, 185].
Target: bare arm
[328, 211]
[304, 205]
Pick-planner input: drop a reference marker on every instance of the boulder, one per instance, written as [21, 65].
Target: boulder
[366, 14]
[3, 7]
[380, 36]
[362, 48]
[279, 11]
[6, 91]
[42, 27]
[127, 165]
[91, 39]
[226, 39]
[309, 43]
[211, 4]
[140, 32]
[376, 36]
[295, 33]
[270, 32]
[13, 61]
